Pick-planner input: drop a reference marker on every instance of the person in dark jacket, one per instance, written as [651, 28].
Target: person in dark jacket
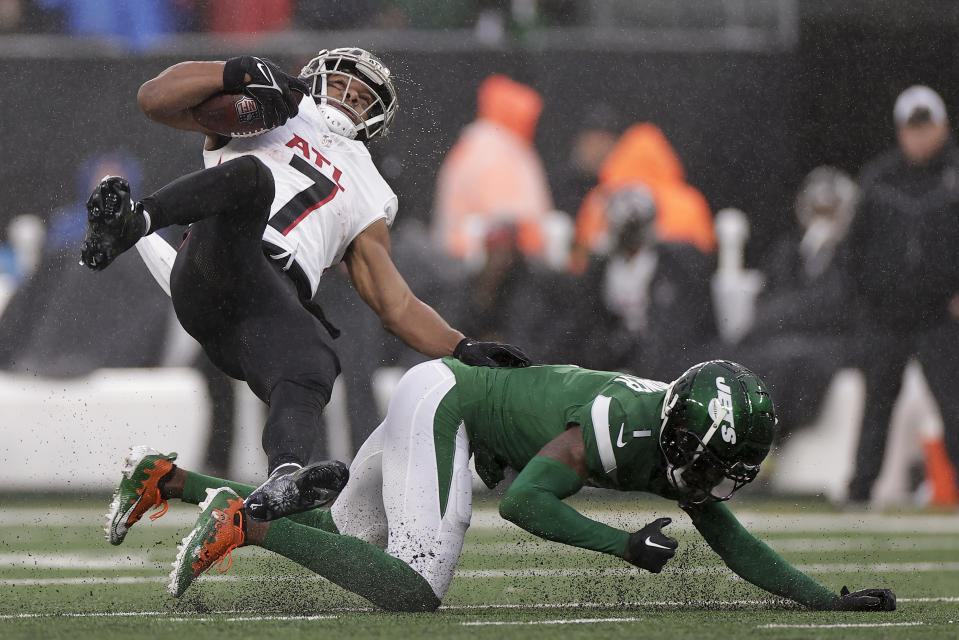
[905, 270]
[803, 324]
[648, 300]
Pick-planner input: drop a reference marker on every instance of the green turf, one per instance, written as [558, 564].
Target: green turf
[61, 579]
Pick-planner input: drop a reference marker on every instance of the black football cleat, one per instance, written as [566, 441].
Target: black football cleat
[114, 223]
[292, 489]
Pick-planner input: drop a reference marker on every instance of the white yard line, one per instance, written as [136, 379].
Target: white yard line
[797, 544]
[253, 615]
[181, 515]
[493, 623]
[881, 567]
[76, 560]
[841, 625]
[268, 618]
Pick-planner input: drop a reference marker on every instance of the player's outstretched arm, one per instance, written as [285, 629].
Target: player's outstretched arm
[755, 562]
[534, 502]
[407, 317]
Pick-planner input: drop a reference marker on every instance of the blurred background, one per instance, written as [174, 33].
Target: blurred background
[625, 185]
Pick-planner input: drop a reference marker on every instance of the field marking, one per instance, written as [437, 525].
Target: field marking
[183, 515]
[78, 560]
[841, 625]
[40, 582]
[797, 544]
[250, 619]
[450, 607]
[270, 618]
[492, 623]
[118, 560]
[879, 567]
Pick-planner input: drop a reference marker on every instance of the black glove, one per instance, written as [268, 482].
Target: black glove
[489, 354]
[649, 548]
[865, 600]
[270, 86]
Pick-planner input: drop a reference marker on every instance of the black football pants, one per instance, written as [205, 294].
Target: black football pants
[240, 306]
[883, 360]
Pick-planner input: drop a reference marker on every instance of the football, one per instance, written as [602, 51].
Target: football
[230, 114]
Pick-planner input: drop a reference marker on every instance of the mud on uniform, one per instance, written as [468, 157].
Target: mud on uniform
[229, 283]
[410, 484]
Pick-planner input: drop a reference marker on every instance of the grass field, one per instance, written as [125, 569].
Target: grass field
[61, 579]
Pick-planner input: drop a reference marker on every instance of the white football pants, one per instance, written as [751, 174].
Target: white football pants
[393, 497]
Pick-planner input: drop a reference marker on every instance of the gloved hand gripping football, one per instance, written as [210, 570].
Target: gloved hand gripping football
[269, 85]
[649, 548]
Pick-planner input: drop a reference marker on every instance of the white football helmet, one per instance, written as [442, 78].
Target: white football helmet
[362, 67]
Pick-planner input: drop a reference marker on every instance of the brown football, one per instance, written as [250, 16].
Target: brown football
[230, 114]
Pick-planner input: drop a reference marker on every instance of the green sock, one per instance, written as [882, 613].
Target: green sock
[194, 492]
[194, 489]
[353, 564]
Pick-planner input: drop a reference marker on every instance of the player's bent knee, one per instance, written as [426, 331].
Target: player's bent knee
[251, 180]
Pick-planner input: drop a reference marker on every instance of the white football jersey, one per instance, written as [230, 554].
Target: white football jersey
[327, 190]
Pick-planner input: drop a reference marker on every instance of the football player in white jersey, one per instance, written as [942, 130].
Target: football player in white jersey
[268, 216]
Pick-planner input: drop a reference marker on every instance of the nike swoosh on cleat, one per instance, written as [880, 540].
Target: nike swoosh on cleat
[650, 543]
[126, 514]
[619, 439]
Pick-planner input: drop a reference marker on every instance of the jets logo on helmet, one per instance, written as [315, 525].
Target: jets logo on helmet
[363, 68]
[723, 402]
[715, 397]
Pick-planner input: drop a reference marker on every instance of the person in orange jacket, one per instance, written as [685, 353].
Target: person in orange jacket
[493, 174]
[643, 155]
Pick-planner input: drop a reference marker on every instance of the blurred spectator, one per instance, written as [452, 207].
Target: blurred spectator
[512, 298]
[324, 14]
[644, 155]
[493, 174]
[136, 24]
[803, 322]
[62, 323]
[646, 306]
[591, 144]
[248, 16]
[903, 264]
[426, 14]
[11, 15]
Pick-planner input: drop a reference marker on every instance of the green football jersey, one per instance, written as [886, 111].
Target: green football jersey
[511, 413]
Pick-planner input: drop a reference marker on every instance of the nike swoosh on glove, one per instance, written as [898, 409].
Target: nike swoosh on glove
[490, 354]
[649, 548]
[865, 600]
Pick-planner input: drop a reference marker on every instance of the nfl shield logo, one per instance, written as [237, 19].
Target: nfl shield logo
[246, 109]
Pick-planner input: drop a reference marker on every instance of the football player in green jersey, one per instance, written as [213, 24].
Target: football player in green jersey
[395, 532]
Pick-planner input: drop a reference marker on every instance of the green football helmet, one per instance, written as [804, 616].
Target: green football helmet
[718, 425]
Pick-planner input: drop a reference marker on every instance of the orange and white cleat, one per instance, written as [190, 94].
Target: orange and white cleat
[139, 491]
[218, 531]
